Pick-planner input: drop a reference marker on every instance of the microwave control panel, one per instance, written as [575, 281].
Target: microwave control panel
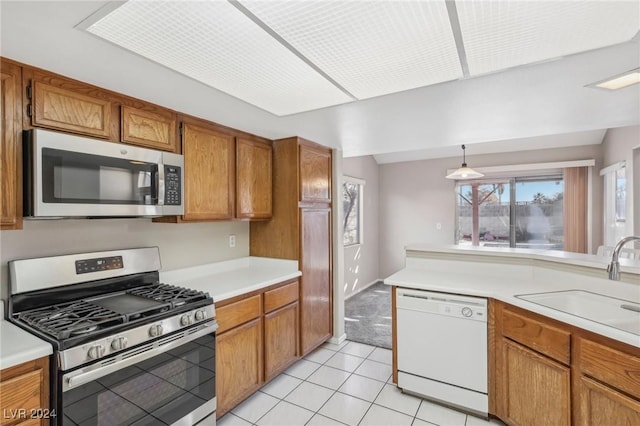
[173, 194]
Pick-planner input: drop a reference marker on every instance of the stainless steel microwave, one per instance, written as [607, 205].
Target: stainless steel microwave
[74, 176]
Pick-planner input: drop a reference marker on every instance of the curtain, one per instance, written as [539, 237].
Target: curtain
[575, 209]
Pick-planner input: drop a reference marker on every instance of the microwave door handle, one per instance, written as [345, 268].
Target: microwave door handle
[160, 186]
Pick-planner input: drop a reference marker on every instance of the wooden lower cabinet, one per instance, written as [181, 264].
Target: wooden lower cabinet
[545, 372]
[600, 405]
[257, 339]
[24, 387]
[535, 389]
[280, 340]
[238, 364]
[316, 314]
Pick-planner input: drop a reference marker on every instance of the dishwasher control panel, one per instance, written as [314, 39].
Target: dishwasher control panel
[465, 307]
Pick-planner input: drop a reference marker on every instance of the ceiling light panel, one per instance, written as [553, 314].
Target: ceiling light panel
[370, 48]
[212, 42]
[503, 34]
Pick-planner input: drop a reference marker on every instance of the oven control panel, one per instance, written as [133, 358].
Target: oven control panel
[86, 266]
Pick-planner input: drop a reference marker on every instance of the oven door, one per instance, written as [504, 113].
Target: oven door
[172, 384]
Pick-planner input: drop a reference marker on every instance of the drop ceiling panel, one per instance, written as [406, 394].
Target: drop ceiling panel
[370, 48]
[211, 41]
[503, 34]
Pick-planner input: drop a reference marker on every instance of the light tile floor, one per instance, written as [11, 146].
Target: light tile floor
[346, 384]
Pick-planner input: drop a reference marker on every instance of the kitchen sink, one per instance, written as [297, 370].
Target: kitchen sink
[618, 313]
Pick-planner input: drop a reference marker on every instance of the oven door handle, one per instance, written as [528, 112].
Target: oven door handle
[101, 369]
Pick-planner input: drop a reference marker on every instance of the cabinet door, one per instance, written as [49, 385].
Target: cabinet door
[280, 340]
[315, 289]
[24, 387]
[600, 405]
[10, 148]
[238, 364]
[315, 174]
[209, 170]
[150, 129]
[64, 109]
[532, 389]
[253, 179]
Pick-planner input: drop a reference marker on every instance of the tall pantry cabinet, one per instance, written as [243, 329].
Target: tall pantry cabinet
[300, 229]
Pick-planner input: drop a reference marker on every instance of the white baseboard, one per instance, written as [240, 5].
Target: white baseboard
[363, 288]
[336, 340]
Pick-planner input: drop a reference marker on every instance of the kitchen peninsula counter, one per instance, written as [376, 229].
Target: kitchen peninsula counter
[504, 274]
[227, 279]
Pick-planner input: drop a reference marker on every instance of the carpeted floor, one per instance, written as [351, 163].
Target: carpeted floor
[368, 316]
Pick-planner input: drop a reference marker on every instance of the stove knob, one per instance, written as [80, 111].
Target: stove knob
[185, 320]
[119, 343]
[155, 330]
[467, 312]
[200, 315]
[95, 352]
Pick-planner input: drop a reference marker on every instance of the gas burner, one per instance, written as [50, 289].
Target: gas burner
[86, 328]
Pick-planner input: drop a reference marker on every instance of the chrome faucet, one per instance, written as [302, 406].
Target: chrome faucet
[614, 266]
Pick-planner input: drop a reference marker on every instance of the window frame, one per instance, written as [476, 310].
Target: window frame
[361, 184]
[512, 181]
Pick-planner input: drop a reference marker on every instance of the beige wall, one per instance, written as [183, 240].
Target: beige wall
[361, 261]
[181, 245]
[415, 197]
[623, 144]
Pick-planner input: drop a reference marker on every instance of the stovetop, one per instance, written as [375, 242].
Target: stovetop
[80, 313]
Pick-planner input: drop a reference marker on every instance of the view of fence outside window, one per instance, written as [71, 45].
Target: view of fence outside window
[352, 209]
[514, 212]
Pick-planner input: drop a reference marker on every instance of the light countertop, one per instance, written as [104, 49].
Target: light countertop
[505, 282]
[224, 280]
[18, 346]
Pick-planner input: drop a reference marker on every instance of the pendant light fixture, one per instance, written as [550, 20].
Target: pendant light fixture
[464, 172]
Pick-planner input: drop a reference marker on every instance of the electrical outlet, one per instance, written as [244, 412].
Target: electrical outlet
[232, 241]
[439, 226]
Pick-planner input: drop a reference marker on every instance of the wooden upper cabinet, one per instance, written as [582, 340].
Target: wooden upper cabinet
[70, 110]
[315, 173]
[151, 129]
[253, 179]
[10, 148]
[209, 170]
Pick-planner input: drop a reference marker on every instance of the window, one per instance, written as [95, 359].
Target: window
[352, 208]
[511, 212]
[615, 203]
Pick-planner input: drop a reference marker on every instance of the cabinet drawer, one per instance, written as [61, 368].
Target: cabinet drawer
[618, 369]
[21, 392]
[234, 314]
[544, 338]
[280, 296]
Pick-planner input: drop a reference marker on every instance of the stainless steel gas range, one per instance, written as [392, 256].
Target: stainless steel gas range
[128, 350]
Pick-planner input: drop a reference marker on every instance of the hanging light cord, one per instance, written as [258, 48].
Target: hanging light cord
[464, 156]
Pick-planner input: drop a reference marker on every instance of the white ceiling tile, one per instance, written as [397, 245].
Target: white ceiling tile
[370, 48]
[213, 42]
[504, 34]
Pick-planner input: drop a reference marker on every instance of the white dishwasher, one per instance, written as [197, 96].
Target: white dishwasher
[442, 348]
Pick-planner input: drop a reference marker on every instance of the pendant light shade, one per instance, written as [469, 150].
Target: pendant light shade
[464, 172]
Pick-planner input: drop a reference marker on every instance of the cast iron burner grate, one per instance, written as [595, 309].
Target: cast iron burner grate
[71, 319]
[166, 293]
